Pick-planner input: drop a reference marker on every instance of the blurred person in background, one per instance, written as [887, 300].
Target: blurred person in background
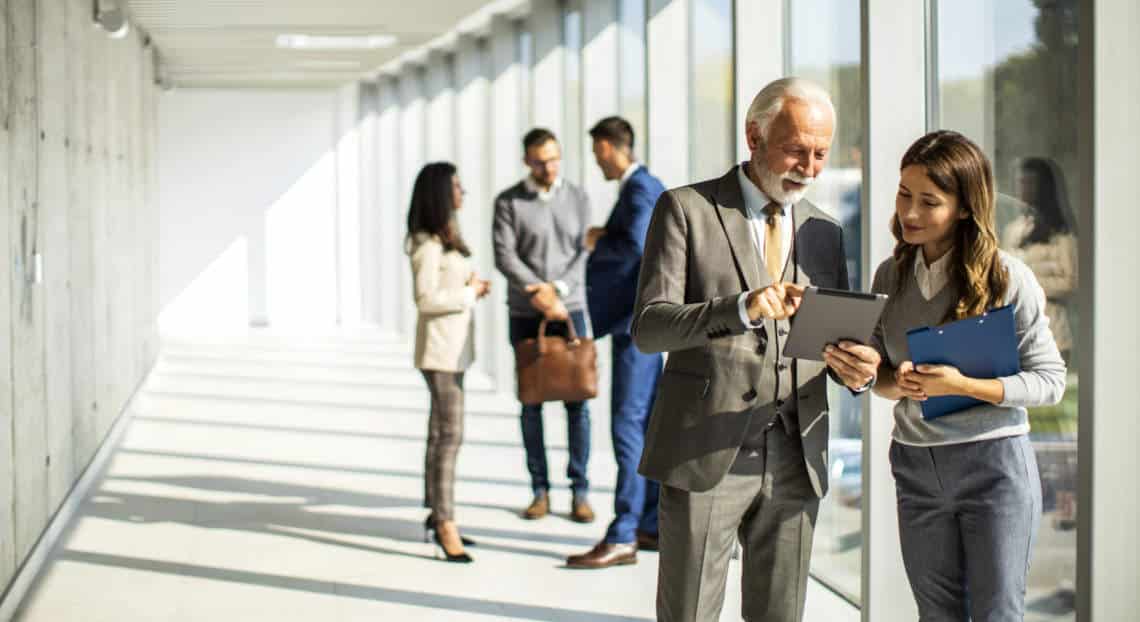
[611, 280]
[446, 290]
[540, 247]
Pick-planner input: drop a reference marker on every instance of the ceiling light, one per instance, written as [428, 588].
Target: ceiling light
[335, 42]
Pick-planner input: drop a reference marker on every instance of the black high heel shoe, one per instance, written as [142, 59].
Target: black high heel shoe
[462, 558]
[429, 528]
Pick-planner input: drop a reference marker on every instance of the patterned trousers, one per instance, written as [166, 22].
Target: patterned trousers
[445, 433]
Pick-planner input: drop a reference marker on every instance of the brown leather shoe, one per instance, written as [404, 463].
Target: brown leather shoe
[538, 508]
[581, 512]
[605, 555]
[646, 541]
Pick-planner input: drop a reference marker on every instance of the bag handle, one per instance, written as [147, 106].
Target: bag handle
[572, 342]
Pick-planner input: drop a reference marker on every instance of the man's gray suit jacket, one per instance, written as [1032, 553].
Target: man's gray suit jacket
[700, 255]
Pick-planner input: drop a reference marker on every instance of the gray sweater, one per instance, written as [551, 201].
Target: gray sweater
[542, 241]
[1040, 382]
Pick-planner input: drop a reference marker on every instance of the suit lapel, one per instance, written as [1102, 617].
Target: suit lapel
[738, 229]
[804, 211]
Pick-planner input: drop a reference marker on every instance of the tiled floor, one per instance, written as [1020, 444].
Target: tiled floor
[273, 478]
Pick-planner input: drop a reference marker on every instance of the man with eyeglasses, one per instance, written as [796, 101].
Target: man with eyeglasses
[540, 247]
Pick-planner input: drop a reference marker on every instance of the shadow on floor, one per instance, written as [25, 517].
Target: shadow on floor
[495, 481]
[366, 592]
[417, 438]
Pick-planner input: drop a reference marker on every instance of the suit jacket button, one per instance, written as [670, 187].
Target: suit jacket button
[779, 403]
[782, 332]
[749, 396]
[781, 367]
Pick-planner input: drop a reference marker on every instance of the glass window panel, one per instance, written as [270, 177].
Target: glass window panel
[824, 46]
[572, 109]
[1006, 78]
[711, 123]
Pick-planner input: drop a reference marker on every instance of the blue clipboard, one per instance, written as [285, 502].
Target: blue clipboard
[980, 347]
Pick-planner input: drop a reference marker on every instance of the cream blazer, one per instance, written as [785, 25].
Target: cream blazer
[445, 326]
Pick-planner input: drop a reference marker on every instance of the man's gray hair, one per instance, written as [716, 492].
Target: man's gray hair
[770, 100]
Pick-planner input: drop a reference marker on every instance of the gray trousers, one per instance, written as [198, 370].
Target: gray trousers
[773, 513]
[968, 516]
[445, 433]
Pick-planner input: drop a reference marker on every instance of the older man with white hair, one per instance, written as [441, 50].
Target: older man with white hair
[738, 434]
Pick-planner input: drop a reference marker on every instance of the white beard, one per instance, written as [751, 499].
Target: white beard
[773, 185]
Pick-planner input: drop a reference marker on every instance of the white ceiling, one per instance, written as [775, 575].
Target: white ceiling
[233, 42]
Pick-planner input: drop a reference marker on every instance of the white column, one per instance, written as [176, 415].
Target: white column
[632, 76]
[472, 92]
[669, 89]
[412, 148]
[547, 82]
[1109, 132]
[389, 213]
[760, 49]
[600, 99]
[370, 223]
[894, 76]
[440, 95]
[347, 143]
[506, 129]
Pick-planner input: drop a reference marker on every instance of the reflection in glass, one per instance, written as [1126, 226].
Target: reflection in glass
[711, 122]
[825, 48]
[1006, 77]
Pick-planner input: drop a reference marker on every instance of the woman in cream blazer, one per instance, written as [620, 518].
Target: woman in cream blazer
[446, 290]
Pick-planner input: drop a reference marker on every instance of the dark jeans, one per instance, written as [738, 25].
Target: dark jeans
[635, 378]
[577, 416]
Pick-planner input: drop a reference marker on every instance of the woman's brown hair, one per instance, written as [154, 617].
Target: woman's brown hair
[959, 167]
[432, 210]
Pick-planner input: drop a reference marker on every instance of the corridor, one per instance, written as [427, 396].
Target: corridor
[274, 478]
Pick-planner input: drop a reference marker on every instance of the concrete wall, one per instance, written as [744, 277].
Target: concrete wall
[77, 183]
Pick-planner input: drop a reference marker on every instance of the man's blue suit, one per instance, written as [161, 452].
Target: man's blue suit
[611, 281]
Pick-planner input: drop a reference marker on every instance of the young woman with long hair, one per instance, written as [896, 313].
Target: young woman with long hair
[446, 290]
[969, 494]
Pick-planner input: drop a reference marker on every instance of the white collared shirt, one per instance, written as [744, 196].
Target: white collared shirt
[931, 279]
[629, 171]
[543, 195]
[754, 202]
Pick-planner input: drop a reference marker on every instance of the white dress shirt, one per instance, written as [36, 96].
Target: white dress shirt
[629, 171]
[931, 279]
[543, 194]
[754, 203]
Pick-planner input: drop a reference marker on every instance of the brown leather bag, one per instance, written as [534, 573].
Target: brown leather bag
[556, 369]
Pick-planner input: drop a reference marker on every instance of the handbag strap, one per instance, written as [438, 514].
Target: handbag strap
[573, 341]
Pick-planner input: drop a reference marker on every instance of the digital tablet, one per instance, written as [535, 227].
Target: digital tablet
[828, 316]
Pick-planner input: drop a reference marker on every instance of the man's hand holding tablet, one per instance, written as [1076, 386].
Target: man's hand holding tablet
[855, 364]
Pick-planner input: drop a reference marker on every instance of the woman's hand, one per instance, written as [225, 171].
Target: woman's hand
[939, 380]
[482, 287]
[907, 382]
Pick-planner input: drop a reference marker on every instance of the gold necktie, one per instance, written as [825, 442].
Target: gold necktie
[773, 243]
